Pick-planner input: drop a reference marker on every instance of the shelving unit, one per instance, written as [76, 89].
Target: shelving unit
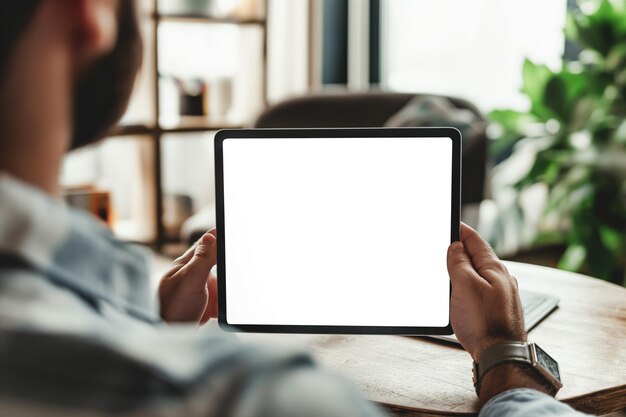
[156, 130]
[194, 18]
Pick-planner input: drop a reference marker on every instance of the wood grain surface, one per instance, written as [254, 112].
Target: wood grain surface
[417, 376]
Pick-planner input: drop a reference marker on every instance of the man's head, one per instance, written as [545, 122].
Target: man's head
[106, 52]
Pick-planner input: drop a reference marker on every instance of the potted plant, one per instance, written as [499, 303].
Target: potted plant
[576, 131]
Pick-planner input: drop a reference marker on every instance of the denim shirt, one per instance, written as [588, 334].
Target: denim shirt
[80, 335]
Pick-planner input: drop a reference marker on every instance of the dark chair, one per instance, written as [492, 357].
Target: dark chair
[373, 109]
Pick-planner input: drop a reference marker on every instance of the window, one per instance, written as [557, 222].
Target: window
[469, 49]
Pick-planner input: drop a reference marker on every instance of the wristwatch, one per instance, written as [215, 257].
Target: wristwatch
[528, 354]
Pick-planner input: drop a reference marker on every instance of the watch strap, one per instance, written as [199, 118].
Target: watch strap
[519, 352]
[503, 352]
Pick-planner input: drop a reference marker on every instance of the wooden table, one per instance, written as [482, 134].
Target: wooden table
[415, 376]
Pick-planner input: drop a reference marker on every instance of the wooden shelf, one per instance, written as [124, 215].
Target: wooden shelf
[194, 18]
[151, 131]
[161, 126]
[197, 123]
[195, 129]
[131, 130]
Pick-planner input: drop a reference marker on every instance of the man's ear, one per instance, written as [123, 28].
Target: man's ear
[97, 27]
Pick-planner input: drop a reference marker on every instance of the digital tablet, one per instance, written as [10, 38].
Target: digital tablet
[336, 230]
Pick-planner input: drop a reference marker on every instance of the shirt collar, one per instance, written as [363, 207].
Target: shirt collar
[73, 250]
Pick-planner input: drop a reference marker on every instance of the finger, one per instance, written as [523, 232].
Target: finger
[460, 266]
[481, 254]
[515, 282]
[211, 308]
[195, 273]
[473, 242]
[186, 257]
[181, 261]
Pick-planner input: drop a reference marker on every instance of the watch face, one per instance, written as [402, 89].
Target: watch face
[547, 362]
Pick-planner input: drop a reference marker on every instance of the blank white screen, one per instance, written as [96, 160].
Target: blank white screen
[337, 231]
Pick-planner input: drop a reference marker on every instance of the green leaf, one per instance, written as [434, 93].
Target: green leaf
[550, 238]
[573, 258]
[620, 78]
[563, 92]
[552, 173]
[619, 136]
[556, 97]
[606, 26]
[586, 180]
[571, 27]
[504, 144]
[514, 124]
[511, 120]
[535, 173]
[600, 29]
[600, 261]
[616, 59]
[604, 12]
[582, 111]
[535, 78]
[620, 21]
[611, 238]
[585, 36]
[576, 83]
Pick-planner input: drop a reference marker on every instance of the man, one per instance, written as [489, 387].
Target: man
[79, 334]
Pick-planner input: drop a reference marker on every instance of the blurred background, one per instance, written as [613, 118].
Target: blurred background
[538, 89]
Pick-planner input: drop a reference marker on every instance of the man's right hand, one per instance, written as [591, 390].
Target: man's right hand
[485, 308]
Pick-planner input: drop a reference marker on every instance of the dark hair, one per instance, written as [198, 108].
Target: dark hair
[15, 15]
[101, 93]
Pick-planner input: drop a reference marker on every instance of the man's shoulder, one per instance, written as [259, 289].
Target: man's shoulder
[121, 369]
[29, 300]
[59, 350]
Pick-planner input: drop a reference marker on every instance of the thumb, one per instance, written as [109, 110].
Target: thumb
[196, 272]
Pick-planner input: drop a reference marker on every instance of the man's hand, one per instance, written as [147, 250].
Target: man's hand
[188, 292]
[486, 310]
[485, 307]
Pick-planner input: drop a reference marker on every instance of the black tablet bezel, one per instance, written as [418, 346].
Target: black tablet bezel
[444, 132]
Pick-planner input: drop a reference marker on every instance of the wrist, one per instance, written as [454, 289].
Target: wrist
[510, 375]
[493, 341]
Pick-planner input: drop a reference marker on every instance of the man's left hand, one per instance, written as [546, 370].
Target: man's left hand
[188, 291]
